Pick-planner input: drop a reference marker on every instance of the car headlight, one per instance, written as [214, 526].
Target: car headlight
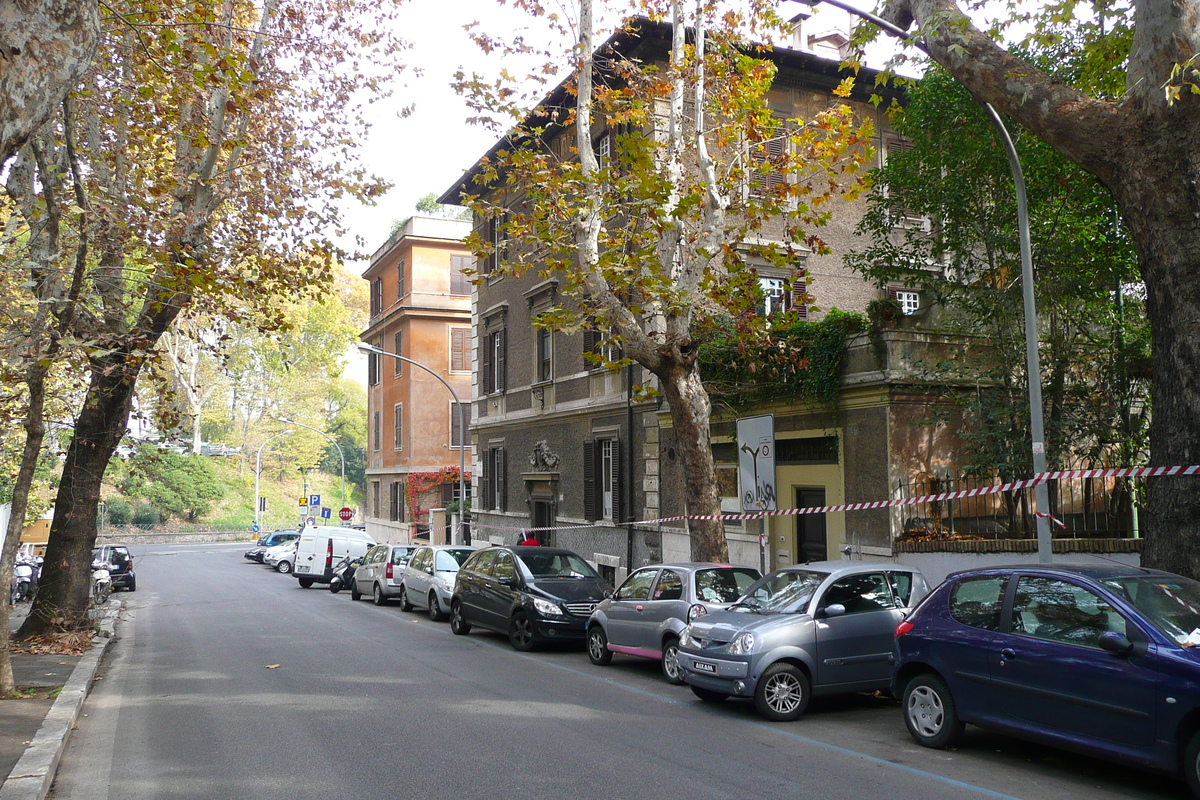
[546, 608]
[742, 645]
[686, 639]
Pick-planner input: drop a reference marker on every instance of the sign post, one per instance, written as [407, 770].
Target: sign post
[756, 471]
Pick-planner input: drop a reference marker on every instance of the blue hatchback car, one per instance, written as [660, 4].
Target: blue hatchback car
[1103, 660]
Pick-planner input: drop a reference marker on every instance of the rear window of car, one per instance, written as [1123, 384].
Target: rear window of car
[724, 584]
[976, 601]
[450, 560]
[400, 555]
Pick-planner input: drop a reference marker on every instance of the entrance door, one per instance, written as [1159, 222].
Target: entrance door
[542, 515]
[810, 528]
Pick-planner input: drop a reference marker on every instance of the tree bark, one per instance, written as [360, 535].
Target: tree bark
[690, 412]
[44, 49]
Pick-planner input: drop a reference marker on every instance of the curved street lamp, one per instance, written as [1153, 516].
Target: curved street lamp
[462, 424]
[287, 421]
[258, 475]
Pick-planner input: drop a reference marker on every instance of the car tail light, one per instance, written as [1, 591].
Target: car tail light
[903, 628]
[388, 572]
[696, 611]
[329, 555]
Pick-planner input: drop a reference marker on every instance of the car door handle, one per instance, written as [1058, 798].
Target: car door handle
[639, 608]
[1008, 653]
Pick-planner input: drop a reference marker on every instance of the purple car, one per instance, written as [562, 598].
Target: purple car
[1102, 660]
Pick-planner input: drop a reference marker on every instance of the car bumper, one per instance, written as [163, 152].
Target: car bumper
[122, 581]
[553, 629]
[724, 674]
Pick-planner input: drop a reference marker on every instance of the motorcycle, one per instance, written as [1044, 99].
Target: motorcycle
[25, 577]
[101, 582]
[343, 573]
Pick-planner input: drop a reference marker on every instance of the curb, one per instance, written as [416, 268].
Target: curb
[34, 773]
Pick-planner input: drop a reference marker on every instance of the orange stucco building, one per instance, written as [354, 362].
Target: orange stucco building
[420, 309]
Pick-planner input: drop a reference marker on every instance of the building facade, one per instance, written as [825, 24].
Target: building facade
[420, 309]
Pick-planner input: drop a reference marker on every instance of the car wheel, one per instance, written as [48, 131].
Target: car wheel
[377, 596]
[435, 610]
[520, 632]
[306, 583]
[671, 668]
[1191, 764]
[930, 714]
[458, 620]
[597, 646]
[404, 604]
[781, 694]
[355, 594]
[708, 695]
[132, 587]
[283, 567]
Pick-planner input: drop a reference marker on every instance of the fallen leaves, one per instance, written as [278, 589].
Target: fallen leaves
[272, 666]
[65, 643]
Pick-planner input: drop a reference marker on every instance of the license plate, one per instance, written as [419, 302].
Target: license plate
[303, 569]
[704, 666]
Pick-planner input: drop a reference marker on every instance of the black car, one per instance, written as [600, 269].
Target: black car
[533, 594]
[120, 565]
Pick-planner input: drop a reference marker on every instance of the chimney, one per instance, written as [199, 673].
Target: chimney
[797, 22]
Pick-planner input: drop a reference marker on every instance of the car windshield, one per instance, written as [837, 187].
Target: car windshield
[1171, 604]
[784, 591]
[450, 560]
[557, 565]
[723, 584]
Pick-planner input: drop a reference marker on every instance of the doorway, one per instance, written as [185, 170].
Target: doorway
[542, 516]
[810, 528]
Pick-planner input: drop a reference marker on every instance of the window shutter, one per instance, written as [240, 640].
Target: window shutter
[799, 294]
[459, 284]
[590, 339]
[458, 350]
[399, 343]
[447, 494]
[400, 280]
[617, 486]
[485, 481]
[489, 383]
[589, 481]
[501, 352]
[502, 476]
[891, 292]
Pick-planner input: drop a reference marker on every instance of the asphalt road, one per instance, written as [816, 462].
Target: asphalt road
[229, 681]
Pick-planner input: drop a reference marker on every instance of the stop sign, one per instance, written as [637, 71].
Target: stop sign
[346, 514]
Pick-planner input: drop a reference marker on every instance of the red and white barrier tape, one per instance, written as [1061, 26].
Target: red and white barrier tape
[1123, 472]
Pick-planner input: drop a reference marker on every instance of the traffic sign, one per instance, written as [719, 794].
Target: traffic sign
[346, 514]
[310, 521]
[325, 512]
[314, 500]
[304, 502]
[254, 528]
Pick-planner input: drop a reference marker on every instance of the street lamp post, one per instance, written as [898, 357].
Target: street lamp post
[1032, 365]
[258, 475]
[287, 421]
[462, 445]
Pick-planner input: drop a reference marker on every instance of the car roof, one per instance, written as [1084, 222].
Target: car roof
[1096, 572]
[840, 568]
[697, 565]
[524, 550]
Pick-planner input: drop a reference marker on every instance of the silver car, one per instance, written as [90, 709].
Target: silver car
[645, 616]
[381, 572]
[820, 628]
[429, 580]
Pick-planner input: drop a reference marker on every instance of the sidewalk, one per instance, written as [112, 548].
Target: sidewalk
[33, 732]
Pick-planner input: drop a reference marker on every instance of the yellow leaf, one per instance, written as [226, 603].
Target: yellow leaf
[272, 666]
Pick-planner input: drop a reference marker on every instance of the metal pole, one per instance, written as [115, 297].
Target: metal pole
[287, 421]
[1037, 434]
[258, 476]
[462, 445]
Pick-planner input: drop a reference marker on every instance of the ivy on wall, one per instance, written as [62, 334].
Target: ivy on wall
[417, 482]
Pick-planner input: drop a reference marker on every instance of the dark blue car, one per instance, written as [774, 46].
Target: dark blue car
[1103, 660]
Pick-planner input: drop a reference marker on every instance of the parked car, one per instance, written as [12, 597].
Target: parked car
[645, 616]
[322, 546]
[270, 540]
[120, 565]
[281, 557]
[428, 582]
[821, 628]
[1101, 660]
[533, 594]
[379, 573]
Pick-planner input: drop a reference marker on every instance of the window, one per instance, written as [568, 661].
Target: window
[902, 586]
[375, 499]
[399, 367]
[601, 351]
[544, 370]
[376, 297]
[458, 434]
[637, 586]
[482, 562]
[669, 586]
[604, 150]
[1051, 609]
[767, 161]
[723, 584]
[460, 359]
[395, 501]
[976, 602]
[376, 430]
[398, 426]
[494, 492]
[505, 569]
[602, 480]
[460, 284]
[493, 358]
[909, 300]
[861, 594]
[400, 283]
[372, 368]
[495, 229]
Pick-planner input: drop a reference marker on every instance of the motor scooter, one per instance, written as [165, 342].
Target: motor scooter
[101, 582]
[25, 577]
[343, 573]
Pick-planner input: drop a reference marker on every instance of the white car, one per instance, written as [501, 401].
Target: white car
[281, 557]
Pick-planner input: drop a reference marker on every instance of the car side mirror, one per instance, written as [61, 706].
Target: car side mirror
[835, 610]
[1115, 643]
[609, 594]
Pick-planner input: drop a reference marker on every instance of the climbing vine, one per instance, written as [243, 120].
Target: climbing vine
[417, 482]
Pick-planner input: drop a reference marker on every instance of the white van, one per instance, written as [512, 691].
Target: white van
[323, 546]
